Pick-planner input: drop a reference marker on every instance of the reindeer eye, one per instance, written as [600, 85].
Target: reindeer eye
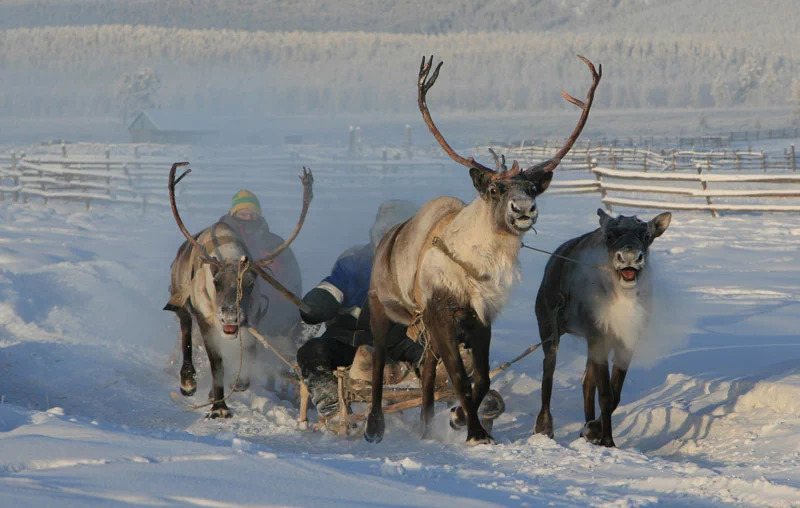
[493, 191]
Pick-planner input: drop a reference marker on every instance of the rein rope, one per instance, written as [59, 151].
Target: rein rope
[597, 267]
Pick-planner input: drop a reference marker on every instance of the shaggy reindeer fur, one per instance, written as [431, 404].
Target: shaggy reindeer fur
[209, 294]
[606, 298]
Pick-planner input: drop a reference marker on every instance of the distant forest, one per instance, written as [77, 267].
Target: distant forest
[77, 70]
[104, 57]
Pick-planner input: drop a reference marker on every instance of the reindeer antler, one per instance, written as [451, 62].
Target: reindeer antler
[551, 164]
[423, 85]
[308, 180]
[204, 256]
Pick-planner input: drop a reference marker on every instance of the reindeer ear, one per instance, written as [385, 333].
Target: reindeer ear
[659, 224]
[540, 179]
[604, 217]
[481, 179]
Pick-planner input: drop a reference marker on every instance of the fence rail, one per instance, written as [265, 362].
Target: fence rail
[652, 185]
[686, 180]
[664, 160]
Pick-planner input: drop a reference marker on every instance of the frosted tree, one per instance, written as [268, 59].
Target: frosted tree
[721, 92]
[748, 79]
[795, 99]
[137, 91]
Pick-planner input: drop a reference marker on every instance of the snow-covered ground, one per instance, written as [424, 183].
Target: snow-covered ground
[710, 411]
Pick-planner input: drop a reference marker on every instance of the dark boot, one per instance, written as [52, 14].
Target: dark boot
[324, 391]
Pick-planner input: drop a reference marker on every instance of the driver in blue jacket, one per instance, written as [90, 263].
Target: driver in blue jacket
[340, 301]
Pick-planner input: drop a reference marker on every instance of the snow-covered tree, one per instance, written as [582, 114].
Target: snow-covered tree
[137, 91]
[795, 99]
[721, 92]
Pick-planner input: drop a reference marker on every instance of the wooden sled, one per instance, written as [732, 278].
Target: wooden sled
[401, 391]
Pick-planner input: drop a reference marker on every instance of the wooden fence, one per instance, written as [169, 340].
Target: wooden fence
[719, 140]
[700, 181]
[703, 193]
[665, 160]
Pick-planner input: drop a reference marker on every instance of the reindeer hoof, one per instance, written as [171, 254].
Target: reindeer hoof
[592, 431]
[544, 425]
[376, 425]
[457, 420]
[188, 381]
[219, 411]
[188, 390]
[480, 438]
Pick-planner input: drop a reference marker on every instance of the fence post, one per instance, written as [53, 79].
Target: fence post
[645, 162]
[613, 158]
[738, 161]
[794, 163]
[108, 169]
[408, 140]
[351, 144]
[603, 192]
[704, 185]
[763, 161]
[708, 162]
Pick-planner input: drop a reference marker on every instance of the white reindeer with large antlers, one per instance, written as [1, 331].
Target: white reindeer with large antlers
[212, 278]
[449, 269]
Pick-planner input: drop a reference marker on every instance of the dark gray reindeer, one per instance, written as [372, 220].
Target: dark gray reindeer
[212, 278]
[597, 286]
[450, 269]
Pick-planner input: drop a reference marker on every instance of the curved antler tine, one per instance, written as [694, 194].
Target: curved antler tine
[204, 256]
[499, 162]
[551, 164]
[423, 85]
[308, 181]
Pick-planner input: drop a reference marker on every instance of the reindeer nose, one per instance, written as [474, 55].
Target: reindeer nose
[629, 257]
[523, 207]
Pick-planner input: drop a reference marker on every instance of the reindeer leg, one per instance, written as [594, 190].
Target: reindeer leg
[621, 364]
[479, 338]
[248, 364]
[379, 323]
[441, 322]
[544, 422]
[188, 374]
[598, 356]
[591, 430]
[428, 386]
[219, 409]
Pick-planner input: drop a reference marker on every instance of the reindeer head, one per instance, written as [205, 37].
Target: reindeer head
[232, 272]
[510, 193]
[232, 301]
[627, 240]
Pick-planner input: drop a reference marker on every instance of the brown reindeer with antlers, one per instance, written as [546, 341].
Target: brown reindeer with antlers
[449, 269]
[212, 278]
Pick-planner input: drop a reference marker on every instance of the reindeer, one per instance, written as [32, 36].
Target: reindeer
[212, 278]
[454, 291]
[597, 286]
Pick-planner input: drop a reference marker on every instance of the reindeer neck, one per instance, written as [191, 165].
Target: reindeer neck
[474, 232]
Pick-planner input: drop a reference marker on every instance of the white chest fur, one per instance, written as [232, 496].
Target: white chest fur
[624, 317]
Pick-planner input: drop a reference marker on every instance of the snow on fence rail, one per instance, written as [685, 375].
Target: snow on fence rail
[91, 177]
[672, 191]
[585, 158]
[87, 180]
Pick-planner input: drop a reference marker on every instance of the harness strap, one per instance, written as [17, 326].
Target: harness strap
[416, 329]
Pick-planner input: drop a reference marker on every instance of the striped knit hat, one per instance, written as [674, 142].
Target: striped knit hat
[244, 199]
